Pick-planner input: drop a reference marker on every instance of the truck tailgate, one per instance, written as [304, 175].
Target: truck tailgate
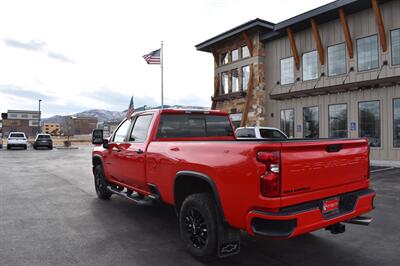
[314, 165]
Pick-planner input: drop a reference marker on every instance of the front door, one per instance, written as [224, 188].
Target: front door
[115, 151]
[134, 154]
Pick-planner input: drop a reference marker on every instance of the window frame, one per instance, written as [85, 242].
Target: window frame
[280, 71]
[378, 49]
[393, 139]
[227, 58]
[319, 120]
[302, 65]
[380, 122]
[119, 126]
[242, 88]
[133, 122]
[237, 78]
[238, 57]
[391, 47]
[241, 51]
[347, 119]
[345, 59]
[221, 83]
[294, 122]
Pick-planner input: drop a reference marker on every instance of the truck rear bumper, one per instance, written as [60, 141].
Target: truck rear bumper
[300, 219]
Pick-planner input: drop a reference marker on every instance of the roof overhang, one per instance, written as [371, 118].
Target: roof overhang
[264, 25]
[321, 14]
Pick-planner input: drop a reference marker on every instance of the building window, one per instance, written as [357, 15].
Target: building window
[12, 116]
[367, 53]
[338, 121]
[369, 121]
[337, 59]
[245, 77]
[287, 122]
[287, 71]
[311, 122]
[235, 55]
[224, 58]
[35, 116]
[395, 40]
[224, 83]
[245, 52]
[24, 116]
[310, 65]
[396, 123]
[235, 80]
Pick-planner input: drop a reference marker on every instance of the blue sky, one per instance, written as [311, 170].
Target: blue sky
[77, 55]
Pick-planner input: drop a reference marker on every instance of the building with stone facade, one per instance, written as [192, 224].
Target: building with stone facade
[332, 72]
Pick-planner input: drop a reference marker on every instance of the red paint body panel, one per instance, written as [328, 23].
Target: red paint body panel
[308, 171]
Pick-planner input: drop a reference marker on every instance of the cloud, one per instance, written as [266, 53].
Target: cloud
[24, 93]
[38, 46]
[33, 45]
[60, 57]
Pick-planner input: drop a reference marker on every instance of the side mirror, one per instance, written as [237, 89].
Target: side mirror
[97, 136]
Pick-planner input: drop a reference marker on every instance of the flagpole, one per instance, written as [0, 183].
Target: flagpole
[162, 76]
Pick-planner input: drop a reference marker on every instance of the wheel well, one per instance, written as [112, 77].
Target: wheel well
[186, 185]
[96, 161]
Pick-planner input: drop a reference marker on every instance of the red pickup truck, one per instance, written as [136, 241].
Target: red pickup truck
[219, 185]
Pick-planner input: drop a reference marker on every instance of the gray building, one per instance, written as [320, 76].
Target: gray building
[332, 72]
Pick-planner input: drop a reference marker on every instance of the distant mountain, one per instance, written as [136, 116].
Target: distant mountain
[108, 116]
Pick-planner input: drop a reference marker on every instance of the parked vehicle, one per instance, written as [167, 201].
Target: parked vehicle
[43, 140]
[219, 185]
[1, 140]
[17, 139]
[260, 133]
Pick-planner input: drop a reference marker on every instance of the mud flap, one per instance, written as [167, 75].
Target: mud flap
[228, 240]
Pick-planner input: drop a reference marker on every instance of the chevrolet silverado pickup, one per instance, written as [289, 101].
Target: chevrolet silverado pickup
[220, 185]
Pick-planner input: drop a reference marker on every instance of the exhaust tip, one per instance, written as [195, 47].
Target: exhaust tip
[360, 220]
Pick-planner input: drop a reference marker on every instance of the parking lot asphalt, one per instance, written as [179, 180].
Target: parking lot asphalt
[49, 215]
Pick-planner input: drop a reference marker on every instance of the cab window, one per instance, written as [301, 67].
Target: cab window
[121, 132]
[141, 128]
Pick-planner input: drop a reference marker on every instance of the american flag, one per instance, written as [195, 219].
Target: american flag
[131, 109]
[153, 58]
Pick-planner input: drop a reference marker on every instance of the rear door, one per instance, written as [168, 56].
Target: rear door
[314, 165]
[133, 153]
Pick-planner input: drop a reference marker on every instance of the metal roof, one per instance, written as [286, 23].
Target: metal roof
[263, 24]
[321, 14]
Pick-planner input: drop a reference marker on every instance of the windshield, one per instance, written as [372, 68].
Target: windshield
[17, 135]
[43, 137]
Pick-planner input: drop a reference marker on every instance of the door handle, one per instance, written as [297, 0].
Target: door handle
[174, 149]
[116, 149]
[139, 151]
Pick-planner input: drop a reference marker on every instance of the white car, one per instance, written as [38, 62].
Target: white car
[17, 139]
[259, 133]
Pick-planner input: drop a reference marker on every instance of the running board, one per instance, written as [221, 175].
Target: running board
[360, 220]
[146, 201]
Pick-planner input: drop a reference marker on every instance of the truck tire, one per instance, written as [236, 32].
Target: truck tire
[8, 147]
[198, 226]
[100, 183]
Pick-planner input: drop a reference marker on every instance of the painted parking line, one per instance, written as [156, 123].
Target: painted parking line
[382, 169]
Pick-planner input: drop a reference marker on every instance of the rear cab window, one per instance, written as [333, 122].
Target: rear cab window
[44, 137]
[194, 126]
[17, 135]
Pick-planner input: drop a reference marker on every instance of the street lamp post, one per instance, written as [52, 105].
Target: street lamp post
[39, 129]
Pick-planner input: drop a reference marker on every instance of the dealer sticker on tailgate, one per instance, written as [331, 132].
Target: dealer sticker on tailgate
[330, 205]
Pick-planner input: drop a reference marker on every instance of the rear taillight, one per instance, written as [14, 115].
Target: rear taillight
[271, 180]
